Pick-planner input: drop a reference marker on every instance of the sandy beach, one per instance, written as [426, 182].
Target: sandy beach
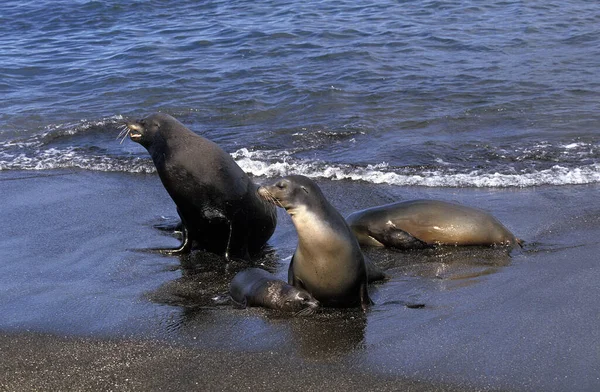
[86, 306]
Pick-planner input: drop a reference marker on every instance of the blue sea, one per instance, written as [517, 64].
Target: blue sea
[427, 93]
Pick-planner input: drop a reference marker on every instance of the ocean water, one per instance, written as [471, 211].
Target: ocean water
[428, 93]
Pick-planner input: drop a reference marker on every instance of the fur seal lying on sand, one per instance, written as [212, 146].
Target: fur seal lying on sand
[257, 287]
[217, 202]
[328, 262]
[423, 223]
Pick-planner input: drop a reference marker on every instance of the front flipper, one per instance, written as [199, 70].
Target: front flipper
[172, 225]
[391, 236]
[228, 246]
[184, 248]
[291, 272]
[292, 279]
[240, 305]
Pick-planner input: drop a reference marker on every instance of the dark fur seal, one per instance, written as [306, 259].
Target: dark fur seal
[257, 287]
[216, 201]
[423, 223]
[328, 262]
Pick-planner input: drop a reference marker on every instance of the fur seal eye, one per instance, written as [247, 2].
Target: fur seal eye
[281, 185]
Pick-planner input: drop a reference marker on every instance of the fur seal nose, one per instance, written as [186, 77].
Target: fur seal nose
[264, 193]
[133, 126]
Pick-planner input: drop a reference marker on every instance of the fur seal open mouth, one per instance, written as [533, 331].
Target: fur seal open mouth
[131, 129]
[135, 131]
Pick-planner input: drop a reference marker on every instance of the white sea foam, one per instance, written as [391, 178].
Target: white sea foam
[272, 164]
[256, 164]
[70, 158]
[574, 145]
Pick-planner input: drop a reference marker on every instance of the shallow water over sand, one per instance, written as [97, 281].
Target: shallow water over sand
[75, 265]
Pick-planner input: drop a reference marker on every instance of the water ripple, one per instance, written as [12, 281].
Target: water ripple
[415, 75]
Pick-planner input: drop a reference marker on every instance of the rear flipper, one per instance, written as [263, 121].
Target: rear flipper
[397, 238]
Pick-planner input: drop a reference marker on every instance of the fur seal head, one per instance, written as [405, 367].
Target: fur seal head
[291, 299]
[154, 131]
[293, 192]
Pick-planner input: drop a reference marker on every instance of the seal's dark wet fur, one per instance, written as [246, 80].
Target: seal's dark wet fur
[216, 201]
[257, 287]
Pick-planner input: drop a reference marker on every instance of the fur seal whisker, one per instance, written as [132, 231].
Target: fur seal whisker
[124, 133]
[268, 196]
[267, 207]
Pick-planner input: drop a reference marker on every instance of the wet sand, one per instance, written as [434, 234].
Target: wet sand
[35, 362]
[86, 307]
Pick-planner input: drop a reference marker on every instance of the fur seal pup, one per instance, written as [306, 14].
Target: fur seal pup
[328, 262]
[217, 202]
[257, 287]
[423, 223]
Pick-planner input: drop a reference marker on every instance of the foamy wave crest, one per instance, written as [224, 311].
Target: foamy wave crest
[267, 163]
[262, 163]
[72, 158]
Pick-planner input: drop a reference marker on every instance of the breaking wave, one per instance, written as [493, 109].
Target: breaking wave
[73, 158]
[561, 164]
[255, 164]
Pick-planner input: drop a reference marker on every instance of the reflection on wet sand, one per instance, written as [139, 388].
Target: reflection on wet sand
[331, 333]
[205, 279]
[201, 295]
[446, 263]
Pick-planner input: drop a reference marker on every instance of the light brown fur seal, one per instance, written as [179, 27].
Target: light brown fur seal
[422, 223]
[328, 262]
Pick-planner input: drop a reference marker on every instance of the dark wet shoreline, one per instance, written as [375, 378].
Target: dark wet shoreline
[36, 362]
[85, 307]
